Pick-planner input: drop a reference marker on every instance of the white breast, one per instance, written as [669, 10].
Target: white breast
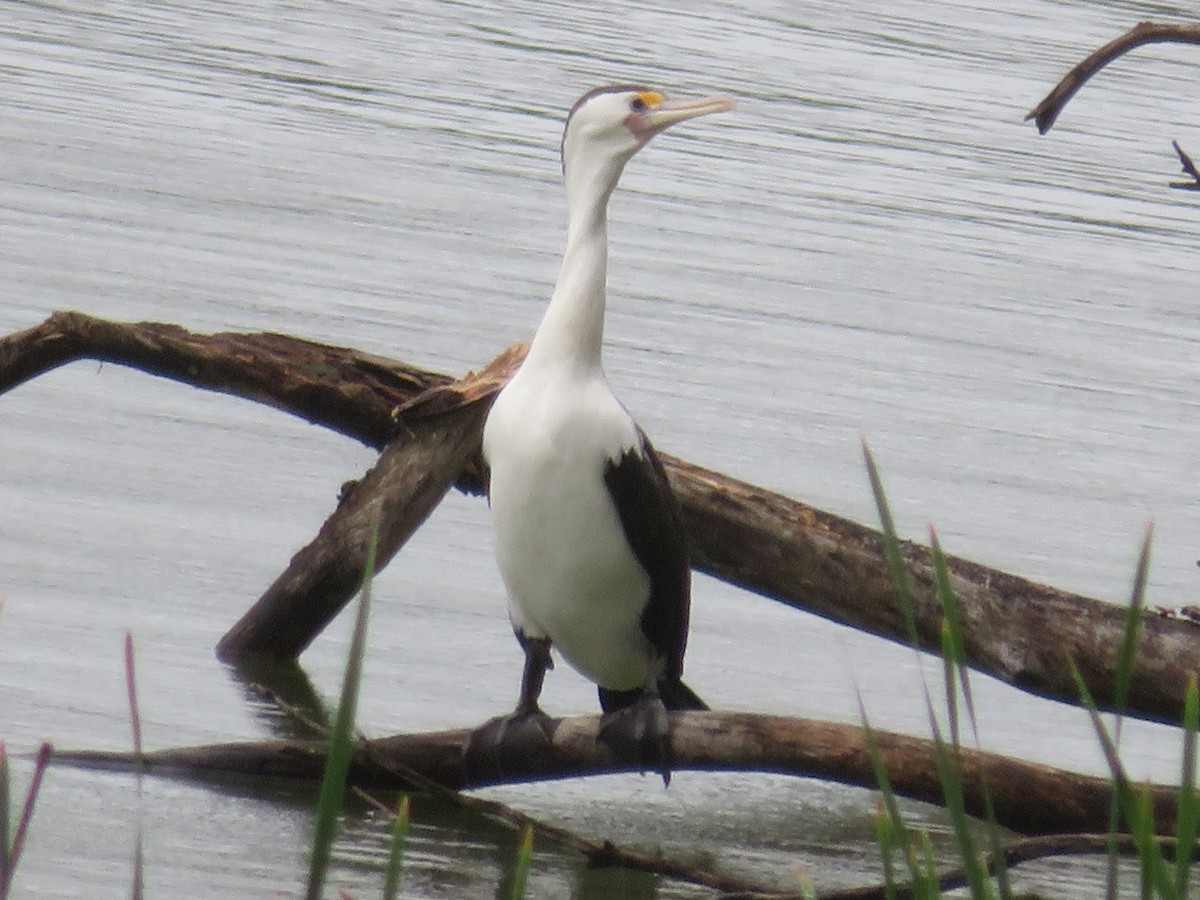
[570, 573]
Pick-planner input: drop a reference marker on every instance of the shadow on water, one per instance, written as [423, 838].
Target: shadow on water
[282, 697]
[874, 244]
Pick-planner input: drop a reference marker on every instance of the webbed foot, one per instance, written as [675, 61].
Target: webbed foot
[497, 747]
[641, 733]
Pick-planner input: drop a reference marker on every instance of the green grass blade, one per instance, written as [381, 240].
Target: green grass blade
[931, 887]
[808, 891]
[996, 845]
[899, 837]
[1187, 809]
[949, 679]
[950, 776]
[892, 550]
[954, 658]
[523, 863]
[974, 869]
[1155, 872]
[885, 838]
[946, 758]
[1126, 654]
[341, 740]
[395, 864]
[925, 880]
[1129, 639]
[1112, 854]
[1137, 811]
[953, 645]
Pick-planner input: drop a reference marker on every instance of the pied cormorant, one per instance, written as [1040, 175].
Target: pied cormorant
[589, 536]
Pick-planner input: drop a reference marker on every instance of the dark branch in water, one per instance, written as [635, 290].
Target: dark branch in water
[1046, 112]
[1015, 630]
[1189, 168]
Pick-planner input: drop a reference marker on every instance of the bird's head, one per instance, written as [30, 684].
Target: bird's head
[607, 125]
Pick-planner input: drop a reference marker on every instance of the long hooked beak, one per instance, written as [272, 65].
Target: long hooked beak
[669, 112]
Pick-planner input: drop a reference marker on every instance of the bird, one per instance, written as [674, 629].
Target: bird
[589, 537]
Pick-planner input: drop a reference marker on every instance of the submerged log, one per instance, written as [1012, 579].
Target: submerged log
[1015, 630]
[701, 741]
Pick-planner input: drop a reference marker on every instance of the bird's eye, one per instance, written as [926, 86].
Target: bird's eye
[637, 104]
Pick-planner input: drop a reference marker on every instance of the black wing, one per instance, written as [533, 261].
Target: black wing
[653, 522]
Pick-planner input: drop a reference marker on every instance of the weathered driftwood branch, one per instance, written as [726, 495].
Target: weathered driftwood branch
[412, 475]
[345, 390]
[1047, 111]
[701, 741]
[1018, 631]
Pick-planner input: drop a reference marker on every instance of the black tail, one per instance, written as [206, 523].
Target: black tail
[675, 695]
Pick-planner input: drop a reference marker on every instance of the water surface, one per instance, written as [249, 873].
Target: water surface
[873, 245]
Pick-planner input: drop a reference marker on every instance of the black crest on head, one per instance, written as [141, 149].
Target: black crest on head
[603, 89]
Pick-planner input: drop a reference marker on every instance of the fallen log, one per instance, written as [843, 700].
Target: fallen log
[701, 741]
[1016, 630]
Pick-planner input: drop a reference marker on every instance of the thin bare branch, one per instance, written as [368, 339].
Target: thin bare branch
[1189, 168]
[1046, 112]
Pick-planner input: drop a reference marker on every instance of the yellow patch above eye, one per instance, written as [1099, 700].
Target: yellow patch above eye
[652, 99]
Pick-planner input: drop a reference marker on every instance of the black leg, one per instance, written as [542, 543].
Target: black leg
[537, 661]
[499, 746]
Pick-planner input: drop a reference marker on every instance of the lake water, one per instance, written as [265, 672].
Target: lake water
[873, 245]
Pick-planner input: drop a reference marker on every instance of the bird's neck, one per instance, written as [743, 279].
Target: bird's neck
[572, 330]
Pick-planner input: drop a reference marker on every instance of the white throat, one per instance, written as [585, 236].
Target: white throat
[571, 333]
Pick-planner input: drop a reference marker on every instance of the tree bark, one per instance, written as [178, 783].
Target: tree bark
[701, 741]
[413, 473]
[344, 390]
[1015, 630]
[1045, 113]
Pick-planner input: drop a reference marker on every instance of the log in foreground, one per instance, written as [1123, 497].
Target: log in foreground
[1045, 113]
[1015, 630]
[701, 741]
